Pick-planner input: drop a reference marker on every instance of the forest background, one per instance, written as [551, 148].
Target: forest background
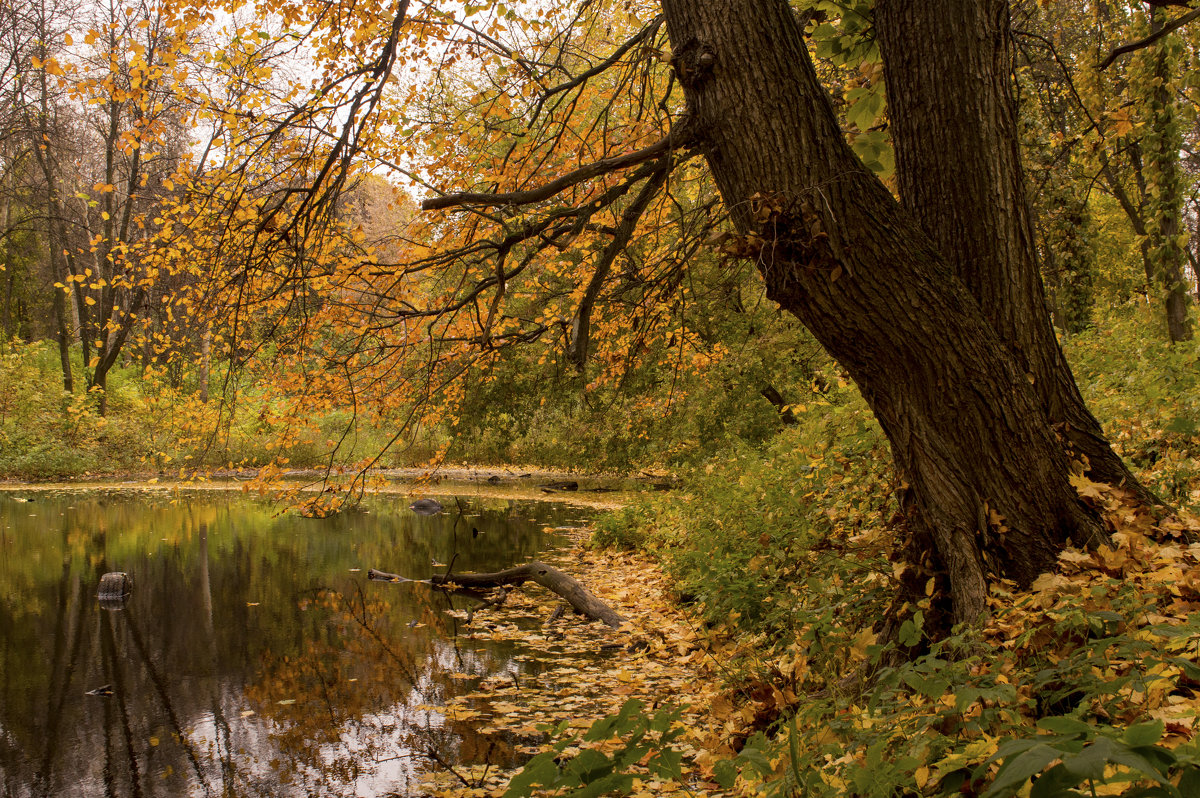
[213, 259]
[181, 290]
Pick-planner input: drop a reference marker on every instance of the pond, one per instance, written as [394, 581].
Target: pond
[253, 657]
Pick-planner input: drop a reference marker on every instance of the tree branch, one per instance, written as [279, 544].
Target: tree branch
[577, 349]
[671, 141]
[549, 577]
[645, 34]
[1167, 27]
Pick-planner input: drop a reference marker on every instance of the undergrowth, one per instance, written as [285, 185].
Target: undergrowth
[1087, 683]
[152, 426]
[1146, 393]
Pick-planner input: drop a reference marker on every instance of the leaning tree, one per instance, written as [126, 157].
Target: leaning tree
[932, 302]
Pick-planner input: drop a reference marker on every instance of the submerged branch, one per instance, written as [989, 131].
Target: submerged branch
[549, 577]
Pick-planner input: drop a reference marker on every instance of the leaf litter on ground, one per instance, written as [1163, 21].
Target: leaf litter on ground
[664, 656]
[660, 656]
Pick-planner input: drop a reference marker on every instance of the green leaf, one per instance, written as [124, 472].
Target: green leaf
[1136, 762]
[539, 770]
[1189, 782]
[910, 634]
[1181, 425]
[1067, 727]
[1091, 761]
[725, 772]
[932, 688]
[1144, 733]
[668, 763]
[589, 765]
[1018, 770]
[756, 759]
[1054, 783]
[610, 783]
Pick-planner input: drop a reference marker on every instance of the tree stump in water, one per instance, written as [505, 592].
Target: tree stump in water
[114, 588]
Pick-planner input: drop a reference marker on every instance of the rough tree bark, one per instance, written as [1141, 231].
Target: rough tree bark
[948, 68]
[987, 477]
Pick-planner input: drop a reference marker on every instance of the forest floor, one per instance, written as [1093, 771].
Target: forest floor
[1094, 661]
[661, 658]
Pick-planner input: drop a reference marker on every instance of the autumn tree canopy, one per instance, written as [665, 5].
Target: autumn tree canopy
[608, 186]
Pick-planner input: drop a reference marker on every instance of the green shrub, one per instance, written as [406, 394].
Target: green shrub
[1146, 393]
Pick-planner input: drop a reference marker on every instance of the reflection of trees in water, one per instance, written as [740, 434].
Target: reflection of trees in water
[188, 656]
[69, 622]
[359, 684]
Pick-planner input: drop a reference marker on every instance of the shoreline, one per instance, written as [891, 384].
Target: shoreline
[599, 491]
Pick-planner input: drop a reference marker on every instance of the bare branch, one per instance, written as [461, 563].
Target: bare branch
[671, 141]
[581, 334]
[1167, 27]
[645, 34]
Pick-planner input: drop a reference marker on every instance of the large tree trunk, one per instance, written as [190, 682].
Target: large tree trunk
[988, 480]
[948, 68]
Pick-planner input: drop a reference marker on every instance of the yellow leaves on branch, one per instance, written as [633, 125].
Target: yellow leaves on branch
[1122, 121]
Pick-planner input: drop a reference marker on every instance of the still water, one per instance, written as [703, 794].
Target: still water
[253, 657]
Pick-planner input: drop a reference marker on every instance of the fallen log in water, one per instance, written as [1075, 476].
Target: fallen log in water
[537, 572]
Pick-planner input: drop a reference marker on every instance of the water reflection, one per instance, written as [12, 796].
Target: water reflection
[253, 657]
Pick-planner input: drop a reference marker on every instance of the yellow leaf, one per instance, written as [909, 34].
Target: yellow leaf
[1122, 122]
[1086, 488]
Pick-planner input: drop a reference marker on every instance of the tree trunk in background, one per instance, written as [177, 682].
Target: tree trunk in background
[205, 362]
[10, 325]
[953, 117]
[62, 321]
[987, 478]
[1163, 140]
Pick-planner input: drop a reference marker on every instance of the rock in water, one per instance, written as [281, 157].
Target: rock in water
[426, 507]
[114, 588]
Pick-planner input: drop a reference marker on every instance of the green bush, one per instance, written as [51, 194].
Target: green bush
[1146, 393]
